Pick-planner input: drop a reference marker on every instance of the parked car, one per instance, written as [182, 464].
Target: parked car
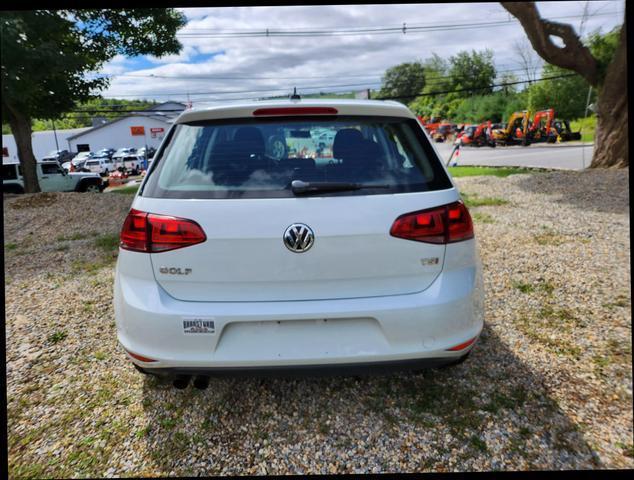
[52, 178]
[82, 156]
[133, 163]
[59, 156]
[232, 262]
[78, 165]
[120, 153]
[100, 165]
[105, 152]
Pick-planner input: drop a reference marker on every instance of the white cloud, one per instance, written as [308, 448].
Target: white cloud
[338, 60]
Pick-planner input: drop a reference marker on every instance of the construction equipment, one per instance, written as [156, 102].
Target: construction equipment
[477, 135]
[546, 132]
[516, 131]
[565, 134]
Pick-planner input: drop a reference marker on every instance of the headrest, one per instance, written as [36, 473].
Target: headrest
[346, 141]
[251, 137]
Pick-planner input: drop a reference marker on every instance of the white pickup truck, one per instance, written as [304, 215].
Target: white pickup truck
[52, 178]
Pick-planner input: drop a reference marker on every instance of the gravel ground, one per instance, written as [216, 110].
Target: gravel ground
[549, 385]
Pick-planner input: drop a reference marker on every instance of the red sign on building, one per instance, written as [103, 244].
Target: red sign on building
[137, 131]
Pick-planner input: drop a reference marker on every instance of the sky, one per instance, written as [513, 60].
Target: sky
[228, 68]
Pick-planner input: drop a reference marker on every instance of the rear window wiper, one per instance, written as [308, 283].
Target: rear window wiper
[300, 187]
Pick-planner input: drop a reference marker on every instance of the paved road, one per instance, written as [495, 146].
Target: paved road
[560, 156]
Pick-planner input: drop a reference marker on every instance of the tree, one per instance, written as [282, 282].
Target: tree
[403, 81]
[46, 54]
[568, 95]
[608, 76]
[474, 71]
[529, 62]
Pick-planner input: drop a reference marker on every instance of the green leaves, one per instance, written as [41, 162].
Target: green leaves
[46, 53]
[403, 81]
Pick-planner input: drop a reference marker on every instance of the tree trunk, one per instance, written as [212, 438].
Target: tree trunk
[611, 136]
[21, 129]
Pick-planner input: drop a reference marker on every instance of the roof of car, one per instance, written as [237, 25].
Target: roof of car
[343, 106]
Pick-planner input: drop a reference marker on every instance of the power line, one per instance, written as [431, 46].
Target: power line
[252, 77]
[153, 112]
[474, 89]
[361, 30]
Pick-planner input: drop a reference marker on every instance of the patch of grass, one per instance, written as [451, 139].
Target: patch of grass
[628, 450]
[61, 248]
[523, 287]
[144, 432]
[107, 242]
[130, 190]
[10, 246]
[619, 301]
[587, 126]
[549, 237]
[479, 217]
[463, 171]
[542, 285]
[478, 443]
[100, 355]
[57, 337]
[74, 236]
[168, 423]
[471, 200]
[81, 266]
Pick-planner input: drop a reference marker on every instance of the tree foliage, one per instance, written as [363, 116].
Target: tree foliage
[46, 54]
[403, 81]
[474, 71]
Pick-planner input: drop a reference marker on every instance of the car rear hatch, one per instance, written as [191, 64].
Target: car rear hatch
[244, 256]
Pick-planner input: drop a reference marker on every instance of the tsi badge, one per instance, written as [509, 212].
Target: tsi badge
[198, 325]
[429, 261]
[175, 270]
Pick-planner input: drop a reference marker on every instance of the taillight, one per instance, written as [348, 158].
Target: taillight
[152, 233]
[447, 224]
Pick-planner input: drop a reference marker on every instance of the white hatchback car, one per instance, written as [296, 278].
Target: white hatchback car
[234, 261]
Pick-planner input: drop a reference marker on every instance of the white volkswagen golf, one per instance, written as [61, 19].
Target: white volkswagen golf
[296, 236]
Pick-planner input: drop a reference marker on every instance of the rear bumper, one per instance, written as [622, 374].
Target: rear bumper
[361, 368]
[342, 333]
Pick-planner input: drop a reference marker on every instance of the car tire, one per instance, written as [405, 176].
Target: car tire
[17, 189]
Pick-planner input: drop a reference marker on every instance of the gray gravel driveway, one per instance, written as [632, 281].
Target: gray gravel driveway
[549, 386]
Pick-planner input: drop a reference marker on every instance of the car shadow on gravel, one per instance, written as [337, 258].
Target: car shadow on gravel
[603, 191]
[491, 412]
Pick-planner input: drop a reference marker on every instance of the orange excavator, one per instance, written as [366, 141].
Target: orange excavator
[542, 129]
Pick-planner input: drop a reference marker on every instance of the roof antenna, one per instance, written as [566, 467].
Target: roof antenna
[295, 95]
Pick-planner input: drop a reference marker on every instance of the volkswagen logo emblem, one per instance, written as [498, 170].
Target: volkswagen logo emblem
[299, 238]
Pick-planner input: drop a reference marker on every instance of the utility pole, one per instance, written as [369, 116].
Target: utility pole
[55, 134]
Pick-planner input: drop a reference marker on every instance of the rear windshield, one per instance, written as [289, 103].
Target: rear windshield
[259, 158]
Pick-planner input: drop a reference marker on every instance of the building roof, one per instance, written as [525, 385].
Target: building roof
[166, 117]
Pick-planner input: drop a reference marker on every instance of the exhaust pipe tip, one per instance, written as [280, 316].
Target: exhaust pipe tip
[201, 382]
[181, 382]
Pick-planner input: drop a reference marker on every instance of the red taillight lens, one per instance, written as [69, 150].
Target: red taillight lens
[446, 224]
[134, 232]
[152, 233]
[295, 111]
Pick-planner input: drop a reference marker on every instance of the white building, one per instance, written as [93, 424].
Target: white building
[133, 131]
[43, 142]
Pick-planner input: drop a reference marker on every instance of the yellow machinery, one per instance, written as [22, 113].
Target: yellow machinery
[516, 130]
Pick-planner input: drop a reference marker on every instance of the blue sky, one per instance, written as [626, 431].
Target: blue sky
[214, 69]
